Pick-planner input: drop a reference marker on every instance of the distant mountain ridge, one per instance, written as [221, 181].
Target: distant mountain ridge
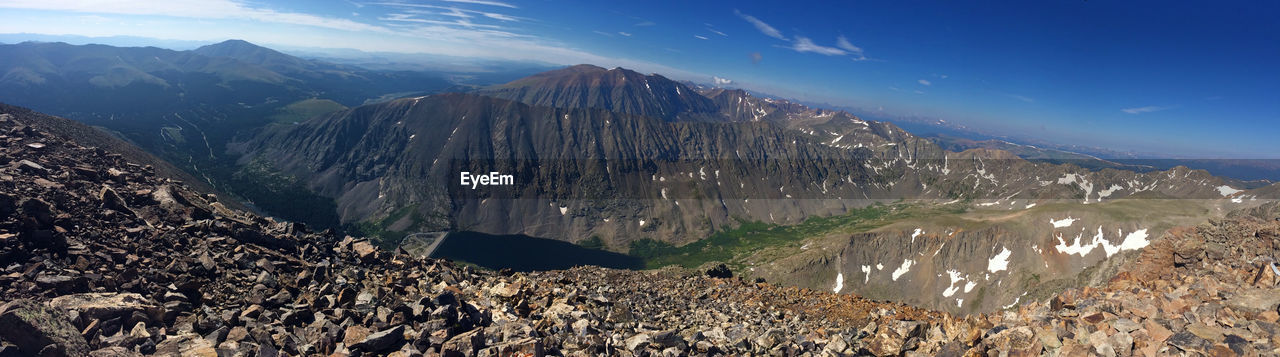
[256, 55]
[185, 106]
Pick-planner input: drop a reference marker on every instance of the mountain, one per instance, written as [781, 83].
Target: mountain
[249, 53]
[185, 106]
[747, 191]
[103, 257]
[1034, 153]
[617, 90]
[584, 168]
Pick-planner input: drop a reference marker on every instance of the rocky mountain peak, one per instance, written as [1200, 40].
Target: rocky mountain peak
[250, 53]
[618, 90]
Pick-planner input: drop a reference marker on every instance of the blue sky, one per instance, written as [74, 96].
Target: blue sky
[1194, 78]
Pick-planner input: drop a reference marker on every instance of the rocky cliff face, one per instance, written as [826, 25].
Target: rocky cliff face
[616, 90]
[102, 257]
[577, 172]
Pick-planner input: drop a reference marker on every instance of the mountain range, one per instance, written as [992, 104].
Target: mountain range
[103, 255]
[631, 163]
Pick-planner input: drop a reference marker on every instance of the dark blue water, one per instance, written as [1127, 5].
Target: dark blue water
[525, 253]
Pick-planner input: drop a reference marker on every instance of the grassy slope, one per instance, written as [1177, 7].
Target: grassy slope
[734, 245]
[305, 109]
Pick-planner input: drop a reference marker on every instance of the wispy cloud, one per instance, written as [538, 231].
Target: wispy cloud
[804, 44]
[717, 32]
[645, 23]
[602, 33]
[856, 53]
[484, 2]
[461, 22]
[627, 34]
[450, 11]
[919, 91]
[1022, 98]
[924, 82]
[721, 81]
[700, 37]
[761, 25]
[211, 9]
[482, 35]
[800, 43]
[1146, 109]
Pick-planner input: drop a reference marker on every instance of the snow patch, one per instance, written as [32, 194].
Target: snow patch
[1107, 192]
[866, 274]
[1227, 190]
[917, 233]
[952, 289]
[1000, 261]
[1080, 181]
[906, 267]
[1062, 223]
[1133, 241]
[839, 283]
[563, 210]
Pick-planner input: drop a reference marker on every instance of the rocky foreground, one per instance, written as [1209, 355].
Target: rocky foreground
[103, 257]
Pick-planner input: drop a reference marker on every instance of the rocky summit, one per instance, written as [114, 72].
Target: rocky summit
[103, 257]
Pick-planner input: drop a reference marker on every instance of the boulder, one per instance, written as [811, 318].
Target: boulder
[380, 341]
[106, 306]
[39, 329]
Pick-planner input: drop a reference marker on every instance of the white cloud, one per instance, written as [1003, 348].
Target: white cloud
[761, 25]
[700, 37]
[627, 34]
[843, 42]
[919, 92]
[462, 22]
[645, 23]
[716, 32]
[1022, 98]
[804, 44]
[1146, 109]
[211, 9]
[721, 81]
[449, 11]
[925, 82]
[217, 20]
[602, 33]
[484, 2]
